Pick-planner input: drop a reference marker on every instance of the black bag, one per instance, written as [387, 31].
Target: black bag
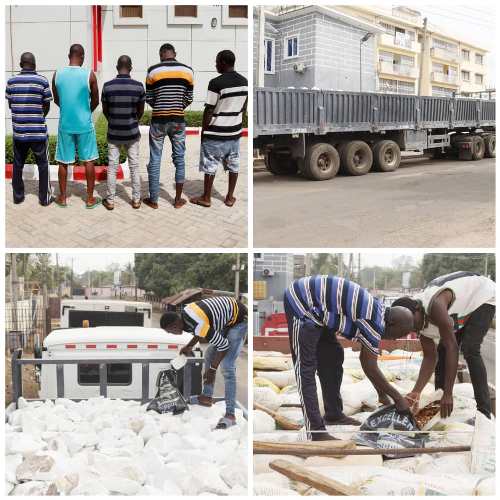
[168, 397]
[388, 417]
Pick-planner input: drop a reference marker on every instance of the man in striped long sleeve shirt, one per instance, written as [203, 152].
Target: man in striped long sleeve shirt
[318, 308]
[29, 96]
[169, 91]
[223, 322]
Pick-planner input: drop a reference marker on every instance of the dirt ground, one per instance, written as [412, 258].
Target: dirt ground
[30, 386]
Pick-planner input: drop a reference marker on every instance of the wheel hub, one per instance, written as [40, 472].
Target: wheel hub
[324, 162]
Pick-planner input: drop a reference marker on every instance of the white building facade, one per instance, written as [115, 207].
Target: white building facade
[198, 33]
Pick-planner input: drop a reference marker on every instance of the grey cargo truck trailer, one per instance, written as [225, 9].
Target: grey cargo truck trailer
[318, 132]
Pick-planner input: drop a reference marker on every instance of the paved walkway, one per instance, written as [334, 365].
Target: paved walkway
[30, 225]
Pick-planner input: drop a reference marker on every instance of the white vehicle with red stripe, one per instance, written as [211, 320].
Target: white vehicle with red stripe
[124, 380]
[105, 313]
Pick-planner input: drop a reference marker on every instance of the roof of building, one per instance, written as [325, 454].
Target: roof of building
[92, 302]
[113, 334]
[190, 294]
[327, 11]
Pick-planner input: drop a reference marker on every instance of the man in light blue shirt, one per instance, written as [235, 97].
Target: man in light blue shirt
[77, 95]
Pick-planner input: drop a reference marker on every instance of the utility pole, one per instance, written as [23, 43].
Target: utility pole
[359, 266]
[59, 283]
[486, 265]
[423, 59]
[340, 260]
[71, 282]
[308, 263]
[14, 285]
[237, 277]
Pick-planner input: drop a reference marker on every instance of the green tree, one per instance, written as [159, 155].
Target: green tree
[324, 263]
[439, 264]
[166, 274]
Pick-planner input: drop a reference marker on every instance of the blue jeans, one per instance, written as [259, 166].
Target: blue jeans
[214, 153]
[236, 337]
[176, 132]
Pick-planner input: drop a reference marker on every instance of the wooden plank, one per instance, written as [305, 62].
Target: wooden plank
[339, 448]
[281, 420]
[313, 479]
[304, 449]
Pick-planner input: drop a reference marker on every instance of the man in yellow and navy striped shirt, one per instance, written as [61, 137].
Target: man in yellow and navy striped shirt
[169, 91]
[223, 322]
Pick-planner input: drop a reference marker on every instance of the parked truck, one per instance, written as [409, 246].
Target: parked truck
[319, 132]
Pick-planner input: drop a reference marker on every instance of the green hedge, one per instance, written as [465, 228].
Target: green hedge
[193, 119]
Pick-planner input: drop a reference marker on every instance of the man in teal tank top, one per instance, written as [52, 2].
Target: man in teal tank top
[77, 95]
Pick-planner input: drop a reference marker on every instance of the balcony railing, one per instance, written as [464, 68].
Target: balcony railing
[398, 40]
[443, 78]
[397, 69]
[447, 55]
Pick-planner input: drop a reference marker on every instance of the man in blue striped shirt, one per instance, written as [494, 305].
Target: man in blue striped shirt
[318, 308]
[29, 96]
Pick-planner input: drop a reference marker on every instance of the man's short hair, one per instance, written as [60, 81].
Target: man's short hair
[165, 47]
[227, 57]
[27, 58]
[76, 50]
[124, 62]
[168, 318]
[411, 304]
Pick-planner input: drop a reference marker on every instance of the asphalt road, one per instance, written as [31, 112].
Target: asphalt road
[241, 371]
[425, 203]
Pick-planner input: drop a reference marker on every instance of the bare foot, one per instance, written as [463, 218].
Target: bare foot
[179, 203]
[61, 201]
[200, 201]
[230, 201]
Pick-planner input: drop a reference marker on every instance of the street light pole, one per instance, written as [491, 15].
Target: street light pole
[366, 37]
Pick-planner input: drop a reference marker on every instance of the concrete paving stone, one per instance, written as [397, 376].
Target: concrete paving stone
[30, 225]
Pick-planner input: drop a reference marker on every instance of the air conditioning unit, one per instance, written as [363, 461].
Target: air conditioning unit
[299, 67]
[267, 272]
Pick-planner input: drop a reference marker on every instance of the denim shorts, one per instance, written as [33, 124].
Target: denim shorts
[214, 153]
[68, 144]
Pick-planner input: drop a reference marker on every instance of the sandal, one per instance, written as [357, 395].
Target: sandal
[60, 204]
[196, 401]
[97, 202]
[225, 423]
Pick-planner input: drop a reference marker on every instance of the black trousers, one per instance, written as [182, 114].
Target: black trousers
[316, 350]
[469, 338]
[40, 150]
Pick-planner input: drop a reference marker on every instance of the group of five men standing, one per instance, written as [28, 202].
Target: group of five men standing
[169, 91]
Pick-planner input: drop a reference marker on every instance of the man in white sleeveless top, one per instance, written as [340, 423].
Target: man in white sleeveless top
[462, 306]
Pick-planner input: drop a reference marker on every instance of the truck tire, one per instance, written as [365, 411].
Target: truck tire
[322, 162]
[490, 146]
[386, 156]
[280, 163]
[356, 158]
[477, 147]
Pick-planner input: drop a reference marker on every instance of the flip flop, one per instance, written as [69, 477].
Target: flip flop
[196, 201]
[59, 204]
[225, 423]
[96, 203]
[195, 401]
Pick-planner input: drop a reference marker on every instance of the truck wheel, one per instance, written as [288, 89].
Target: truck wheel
[478, 147]
[322, 162]
[356, 158]
[490, 146]
[386, 156]
[280, 163]
[438, 154]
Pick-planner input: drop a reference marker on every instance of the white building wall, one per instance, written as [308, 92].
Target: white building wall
[49, 31]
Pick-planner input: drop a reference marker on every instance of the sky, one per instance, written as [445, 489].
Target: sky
[93, 261]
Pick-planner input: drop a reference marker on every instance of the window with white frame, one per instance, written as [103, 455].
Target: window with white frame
[479, 58]
[479, 79]
[466, 55]
[291, 46]
[269, 56]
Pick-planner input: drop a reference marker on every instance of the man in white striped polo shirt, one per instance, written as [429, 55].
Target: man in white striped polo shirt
[223, 322]
[221, 127]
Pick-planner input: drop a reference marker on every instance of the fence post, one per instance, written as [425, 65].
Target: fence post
[17, 379]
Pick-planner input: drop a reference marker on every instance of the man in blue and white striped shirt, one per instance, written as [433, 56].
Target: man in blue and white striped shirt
[318, 308]
[29, 96]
